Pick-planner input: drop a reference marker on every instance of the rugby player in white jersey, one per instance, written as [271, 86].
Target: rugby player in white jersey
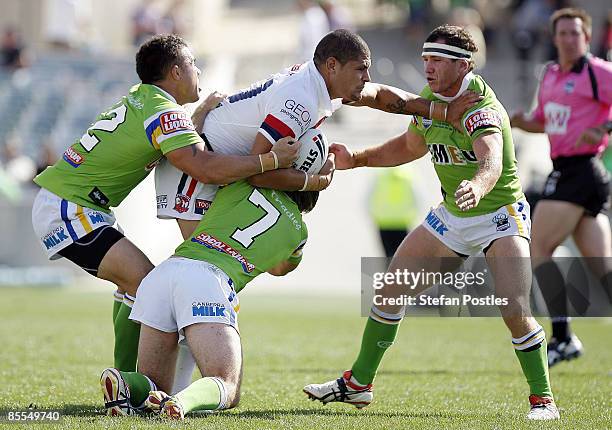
[287, 104]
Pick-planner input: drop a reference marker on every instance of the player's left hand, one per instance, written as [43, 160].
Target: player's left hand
[467, 196]
[459, 106]
[208, 104]
[591, 136]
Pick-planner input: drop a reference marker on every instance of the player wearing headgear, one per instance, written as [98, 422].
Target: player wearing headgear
[483, 210]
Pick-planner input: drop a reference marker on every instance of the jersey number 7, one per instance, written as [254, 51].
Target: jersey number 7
[246, 236]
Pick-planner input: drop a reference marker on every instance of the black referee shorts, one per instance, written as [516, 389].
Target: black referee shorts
[582, 180]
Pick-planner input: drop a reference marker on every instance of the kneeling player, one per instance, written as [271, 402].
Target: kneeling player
[247, 231]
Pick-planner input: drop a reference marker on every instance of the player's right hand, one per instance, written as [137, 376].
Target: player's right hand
[344, 157]
[287, 150]
[459, 106]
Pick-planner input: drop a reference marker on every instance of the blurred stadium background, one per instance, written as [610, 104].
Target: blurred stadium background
[66, 60]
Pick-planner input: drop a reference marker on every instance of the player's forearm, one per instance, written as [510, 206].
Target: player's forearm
[281, 179]
[393, 152]
[395, 100]
[211, 168]
[488, 173]
[530, 125]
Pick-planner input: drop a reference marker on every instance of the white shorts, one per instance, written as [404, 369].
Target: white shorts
[181, 291]
[179, 195]
[471, 235]
[59, 223]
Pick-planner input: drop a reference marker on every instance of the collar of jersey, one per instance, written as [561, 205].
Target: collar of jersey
[326, 104]
[464, 85]
[166, 93]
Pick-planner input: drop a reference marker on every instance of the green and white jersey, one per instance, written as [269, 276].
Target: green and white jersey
[120, 149]
[247, 231]
[453, 154]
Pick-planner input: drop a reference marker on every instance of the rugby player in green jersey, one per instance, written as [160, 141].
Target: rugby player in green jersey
[72, 212]
[246, 231]
[483, 210]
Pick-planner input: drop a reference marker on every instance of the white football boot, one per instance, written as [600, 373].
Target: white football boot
[566, 350]
[341, 390]
[542, 408]
[116, 393]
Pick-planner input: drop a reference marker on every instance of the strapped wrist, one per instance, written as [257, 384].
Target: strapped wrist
[268, 161]
[360, 158]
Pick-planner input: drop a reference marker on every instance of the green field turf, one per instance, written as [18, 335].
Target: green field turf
[441, 373]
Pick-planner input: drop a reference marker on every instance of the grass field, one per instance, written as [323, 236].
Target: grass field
[441, 373]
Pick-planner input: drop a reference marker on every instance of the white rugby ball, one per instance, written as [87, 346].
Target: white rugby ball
[313, 151]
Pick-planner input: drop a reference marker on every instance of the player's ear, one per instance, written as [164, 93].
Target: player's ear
[175, 72]
[331, 64]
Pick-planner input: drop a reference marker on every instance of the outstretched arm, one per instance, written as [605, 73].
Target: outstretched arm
[406, 147]
[395, 100]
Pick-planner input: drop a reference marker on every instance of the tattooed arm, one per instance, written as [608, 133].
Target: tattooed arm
[394, 100]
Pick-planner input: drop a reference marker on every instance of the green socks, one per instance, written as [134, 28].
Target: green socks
[127, 334]
[204, 394]
[531, 353]
[117, 301]
[139, 387]
[377, 338]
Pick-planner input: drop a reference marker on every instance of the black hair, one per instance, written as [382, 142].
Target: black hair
[157, 55]
[305, 200]
[343, 45]
[455, 36]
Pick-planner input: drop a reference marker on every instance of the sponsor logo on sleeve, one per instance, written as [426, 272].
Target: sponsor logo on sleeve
[73, 158]
[482, 118]
[171, 122]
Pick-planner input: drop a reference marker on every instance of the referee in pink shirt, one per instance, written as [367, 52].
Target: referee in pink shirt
[573, 109]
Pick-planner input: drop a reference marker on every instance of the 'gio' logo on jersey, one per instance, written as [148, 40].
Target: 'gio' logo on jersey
[450, 155]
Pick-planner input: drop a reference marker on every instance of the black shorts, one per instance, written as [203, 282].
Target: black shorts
[582, 180]
[88, 251]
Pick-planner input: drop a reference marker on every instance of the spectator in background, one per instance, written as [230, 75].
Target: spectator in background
[313, 26]
[574, 108]
[174, 19]
[67, 23]
[605, 43]
[145, 22]
[13, 56]
[471, 21]
[393, 207]
[337, 16]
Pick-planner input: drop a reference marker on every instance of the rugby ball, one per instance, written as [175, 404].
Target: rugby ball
[313, 151]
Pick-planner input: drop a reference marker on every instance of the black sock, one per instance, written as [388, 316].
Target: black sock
[561, 329]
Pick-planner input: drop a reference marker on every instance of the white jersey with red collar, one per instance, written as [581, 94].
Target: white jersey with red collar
[286, 104]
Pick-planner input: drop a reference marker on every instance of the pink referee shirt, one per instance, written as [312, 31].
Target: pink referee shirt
[567, 107]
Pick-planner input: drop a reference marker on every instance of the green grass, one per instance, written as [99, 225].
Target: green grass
[441, 373]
